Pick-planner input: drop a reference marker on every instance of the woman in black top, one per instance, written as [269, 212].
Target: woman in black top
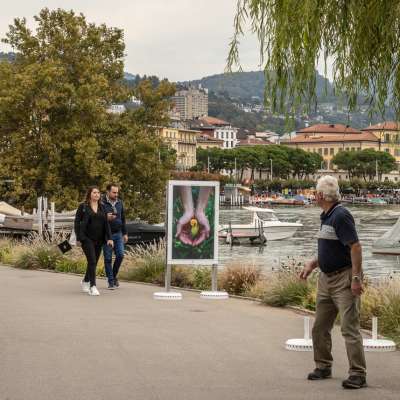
[92, 231]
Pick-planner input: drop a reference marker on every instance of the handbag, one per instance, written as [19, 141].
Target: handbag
[64, 246]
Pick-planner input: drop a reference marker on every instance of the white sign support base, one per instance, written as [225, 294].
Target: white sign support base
[304, 344]
[214, 294]
[375, 344]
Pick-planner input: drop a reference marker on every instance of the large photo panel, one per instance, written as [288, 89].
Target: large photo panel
[193, 215]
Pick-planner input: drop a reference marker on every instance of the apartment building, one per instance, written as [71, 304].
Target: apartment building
[388, 135]
[191, 103]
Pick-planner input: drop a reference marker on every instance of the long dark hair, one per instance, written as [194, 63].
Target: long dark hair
[89, 192]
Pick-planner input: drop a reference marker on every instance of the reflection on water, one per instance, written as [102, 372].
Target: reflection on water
[372, 222]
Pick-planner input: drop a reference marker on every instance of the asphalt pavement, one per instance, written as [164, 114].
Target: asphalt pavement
[57, 343]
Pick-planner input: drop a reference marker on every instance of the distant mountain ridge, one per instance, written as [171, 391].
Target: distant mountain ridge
[248, 85]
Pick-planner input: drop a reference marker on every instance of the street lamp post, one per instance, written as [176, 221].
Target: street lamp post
[271, 169]
[376, 170]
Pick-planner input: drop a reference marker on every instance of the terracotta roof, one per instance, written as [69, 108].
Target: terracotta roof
[214, 121]
[351, 137]
[384, 126]
[329, 128]
[254, 142]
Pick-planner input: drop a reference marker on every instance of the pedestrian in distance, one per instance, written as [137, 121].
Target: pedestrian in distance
[339, 286]
[114, 208]
[92, 232]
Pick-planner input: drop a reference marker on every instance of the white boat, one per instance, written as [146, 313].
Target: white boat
[264, 222]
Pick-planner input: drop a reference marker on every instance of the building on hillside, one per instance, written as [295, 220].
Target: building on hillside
[191, 103]
[209, 142]
[184, 142]
[116, 109]
[253, 141]
[268, 135]
[388, 134]
[222, 130]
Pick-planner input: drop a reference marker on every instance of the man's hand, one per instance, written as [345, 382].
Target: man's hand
[125, 238]
[357, 288]
[110, 243]
[111, 217]
[309, 266]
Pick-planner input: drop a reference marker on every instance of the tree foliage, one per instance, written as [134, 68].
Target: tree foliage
[286, 161]
[56, 136]
[360, 36]
[365, 163]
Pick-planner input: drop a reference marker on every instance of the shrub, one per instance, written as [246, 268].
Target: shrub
[39, 257]
[5, 249]
[182, 277]
[71, 266]
[201, 277]
[285, 288]
[237, 279]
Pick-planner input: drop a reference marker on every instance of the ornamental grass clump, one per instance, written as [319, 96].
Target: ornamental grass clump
[237, 279]
[145, 263]
[382, 299]
[285, 288]
[5, 249]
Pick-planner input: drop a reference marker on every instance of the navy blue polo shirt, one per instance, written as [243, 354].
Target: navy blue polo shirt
[337, 233]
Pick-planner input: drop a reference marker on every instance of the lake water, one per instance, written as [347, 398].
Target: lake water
[370, 222]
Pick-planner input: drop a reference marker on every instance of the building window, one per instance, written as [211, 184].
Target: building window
[326, 150]
[387, 150]
[320, 151]
[387, 137]
[331, 151]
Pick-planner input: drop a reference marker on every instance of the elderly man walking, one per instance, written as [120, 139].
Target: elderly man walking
[339, 286]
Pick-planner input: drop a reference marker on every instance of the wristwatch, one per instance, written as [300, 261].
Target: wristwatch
[356, 278]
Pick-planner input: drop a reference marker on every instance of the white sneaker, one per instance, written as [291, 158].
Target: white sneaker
[85, 286]
[93, 291]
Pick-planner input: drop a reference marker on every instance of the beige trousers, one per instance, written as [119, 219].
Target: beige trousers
[334, 296]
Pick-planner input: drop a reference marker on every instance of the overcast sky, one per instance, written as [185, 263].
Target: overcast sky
[174, 39]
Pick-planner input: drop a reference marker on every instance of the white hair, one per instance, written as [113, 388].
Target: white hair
[329, 187]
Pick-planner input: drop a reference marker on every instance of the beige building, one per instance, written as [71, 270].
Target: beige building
[184, 142]
[388, 135]
[329, 145]
[191, 103]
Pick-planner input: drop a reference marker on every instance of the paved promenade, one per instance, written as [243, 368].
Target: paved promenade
[57, 343]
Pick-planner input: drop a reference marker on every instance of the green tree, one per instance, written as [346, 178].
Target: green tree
[56, 136]
[345, 160]
[53, 100]
[360, 36]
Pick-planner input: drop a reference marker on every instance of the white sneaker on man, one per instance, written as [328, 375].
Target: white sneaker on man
[85, 286]
[93, 291]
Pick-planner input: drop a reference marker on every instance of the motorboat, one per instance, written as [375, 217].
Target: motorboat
[141, 233]
[264, 223]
